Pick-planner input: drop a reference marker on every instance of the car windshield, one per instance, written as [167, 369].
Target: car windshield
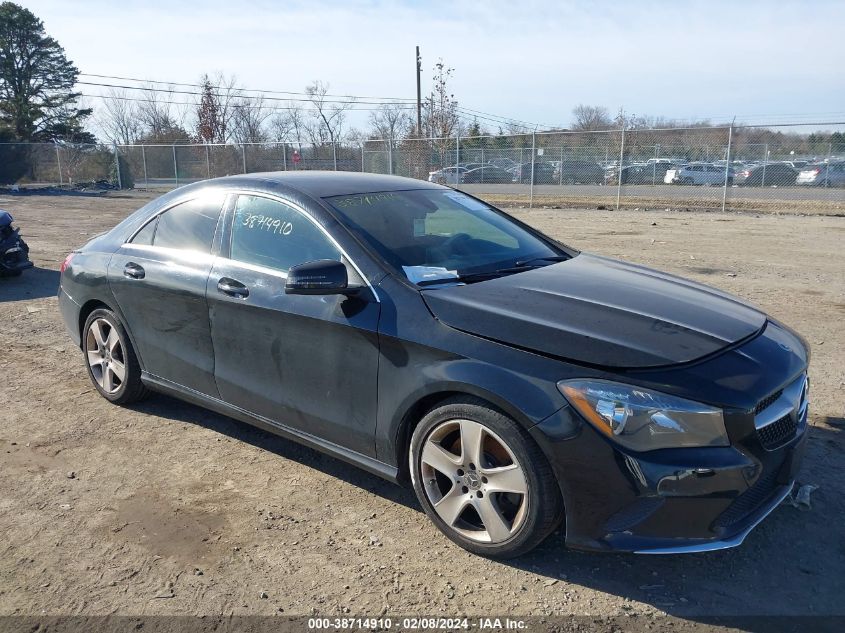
[436, 236]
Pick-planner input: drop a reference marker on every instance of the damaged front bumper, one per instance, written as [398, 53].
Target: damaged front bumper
[683, 500]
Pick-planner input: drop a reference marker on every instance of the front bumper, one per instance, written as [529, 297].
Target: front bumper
[667, 501]
[690, 499]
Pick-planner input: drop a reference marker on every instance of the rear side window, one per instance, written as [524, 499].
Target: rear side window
[144, 237]
[189, 226]
[272, 234]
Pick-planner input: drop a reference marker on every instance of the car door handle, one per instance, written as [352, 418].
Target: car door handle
[233, 288]
[133, 271]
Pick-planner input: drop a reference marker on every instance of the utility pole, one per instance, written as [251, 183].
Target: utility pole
[419, 95]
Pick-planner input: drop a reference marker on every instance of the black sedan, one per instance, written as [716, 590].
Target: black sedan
[543, 173]
[486, 174]
[421, 334]
[767, 175]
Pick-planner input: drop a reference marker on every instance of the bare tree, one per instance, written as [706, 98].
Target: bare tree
[589, 118]
[118, 118]
[156, 113]
[441, 111]
[228, 94]
[390, 122]
[289, 126]
[249, 120]
[327, 126]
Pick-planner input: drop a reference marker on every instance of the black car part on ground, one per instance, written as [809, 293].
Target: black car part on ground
[14, 252]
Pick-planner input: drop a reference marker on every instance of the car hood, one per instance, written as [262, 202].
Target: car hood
[599, 311]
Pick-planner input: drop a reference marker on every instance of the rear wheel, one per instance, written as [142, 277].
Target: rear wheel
[482, 480]
[111, 362]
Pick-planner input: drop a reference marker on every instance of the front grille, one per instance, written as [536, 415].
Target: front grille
[748, 501]
[765, 402]
[778, 432]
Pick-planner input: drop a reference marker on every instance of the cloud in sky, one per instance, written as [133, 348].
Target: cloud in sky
[530, 60]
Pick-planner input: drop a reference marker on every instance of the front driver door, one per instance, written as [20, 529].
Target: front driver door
[305, 362]
[158, 279]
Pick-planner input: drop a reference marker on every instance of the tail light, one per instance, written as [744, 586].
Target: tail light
[65, 263]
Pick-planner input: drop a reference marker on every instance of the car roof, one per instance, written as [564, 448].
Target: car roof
[324, 184]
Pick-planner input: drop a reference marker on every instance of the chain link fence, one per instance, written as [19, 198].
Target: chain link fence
[795, 167]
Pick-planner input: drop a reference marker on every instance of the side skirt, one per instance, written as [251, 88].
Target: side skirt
[386, 471]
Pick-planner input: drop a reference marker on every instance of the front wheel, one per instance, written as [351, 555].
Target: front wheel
[482, 480]
[111, 362]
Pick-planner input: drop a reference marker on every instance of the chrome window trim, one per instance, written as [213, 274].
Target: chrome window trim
[182, 252]
[158, 214]
[258, 268]
[255, 267]
[296, 207]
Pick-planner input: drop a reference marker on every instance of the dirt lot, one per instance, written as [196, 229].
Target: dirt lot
[165, 508]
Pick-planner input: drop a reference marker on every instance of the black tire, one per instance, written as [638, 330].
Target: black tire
[544, 504]
[130, 389]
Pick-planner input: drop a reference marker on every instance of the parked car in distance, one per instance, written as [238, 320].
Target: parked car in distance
[504, 163]
[823, 174]
[642, 174]
[446, 176]
[698, 174]
[486, 174]
[515, 383]
[544, 173]
[571, 172]
[767, 175]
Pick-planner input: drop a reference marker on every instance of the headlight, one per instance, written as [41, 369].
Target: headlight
[644, 420]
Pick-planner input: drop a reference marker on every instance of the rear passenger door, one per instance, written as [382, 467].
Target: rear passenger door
[158, 278]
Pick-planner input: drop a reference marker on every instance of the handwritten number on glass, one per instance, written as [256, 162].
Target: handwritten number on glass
[267, 223]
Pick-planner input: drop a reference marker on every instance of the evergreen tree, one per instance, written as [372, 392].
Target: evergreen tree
[37, 97]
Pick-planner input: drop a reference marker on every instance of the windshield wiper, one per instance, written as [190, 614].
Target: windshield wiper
[518, 267]
[550, 258]
[471, 277]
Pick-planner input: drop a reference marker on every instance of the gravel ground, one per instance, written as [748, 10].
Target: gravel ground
[164, 508]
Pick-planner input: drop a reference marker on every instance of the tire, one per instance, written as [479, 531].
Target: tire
[107, 349]
[458, 492]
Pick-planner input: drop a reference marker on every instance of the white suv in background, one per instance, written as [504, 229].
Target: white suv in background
[697, 174]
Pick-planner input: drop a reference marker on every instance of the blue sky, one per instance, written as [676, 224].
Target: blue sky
[762, 61]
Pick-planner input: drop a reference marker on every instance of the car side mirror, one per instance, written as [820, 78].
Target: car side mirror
[321, 277]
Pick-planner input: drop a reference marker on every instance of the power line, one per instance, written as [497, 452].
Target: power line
[342, 99]
[218, 87]
[251, 106]
[233, 95]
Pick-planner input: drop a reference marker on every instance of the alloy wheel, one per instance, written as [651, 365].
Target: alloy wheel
[105, 355]
[474, 481]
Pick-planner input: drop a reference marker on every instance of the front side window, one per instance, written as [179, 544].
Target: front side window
[429, 232]
[189, 226]
[274, 235]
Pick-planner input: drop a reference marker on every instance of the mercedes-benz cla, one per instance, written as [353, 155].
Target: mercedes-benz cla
[424, 335]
